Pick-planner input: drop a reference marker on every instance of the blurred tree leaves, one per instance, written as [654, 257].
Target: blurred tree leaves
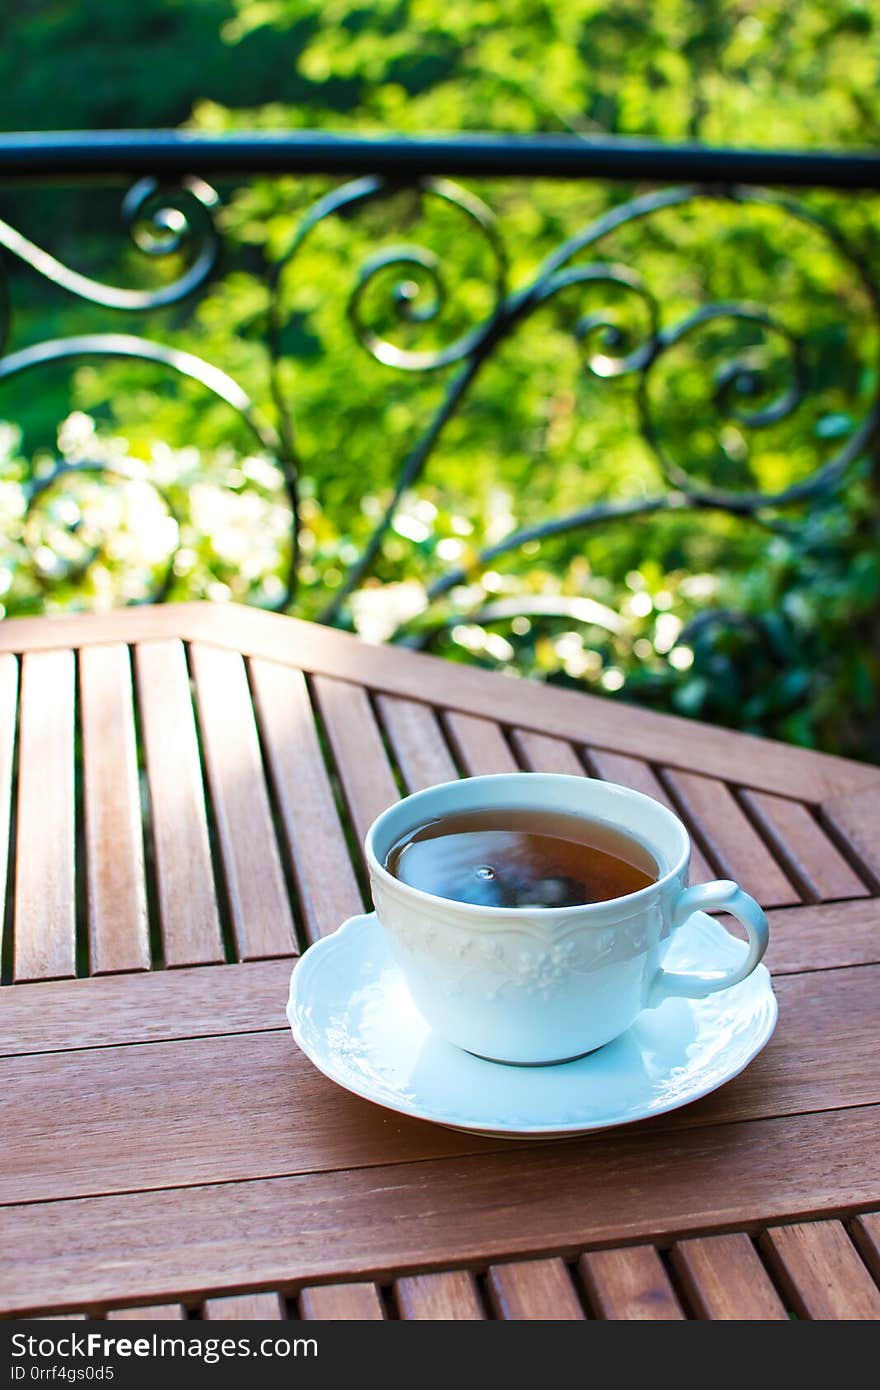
[774, 631]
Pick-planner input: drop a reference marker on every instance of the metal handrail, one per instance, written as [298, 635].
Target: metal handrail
[59, 154]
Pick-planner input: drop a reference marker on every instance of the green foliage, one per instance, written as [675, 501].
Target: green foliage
[709, 614]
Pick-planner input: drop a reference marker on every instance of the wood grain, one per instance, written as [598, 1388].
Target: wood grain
[370, 1223]
[566, 714]
[415, 735]
[165, 1004]
[534, 1291]
[354, 1302]
[8, 707]
[261, 917]
[187, 905]
[538, 753]
[151, 1312]
[865, 1232]
[629, 1285]
[326, 883]
[812, 861]
[44, 933]
[53, 631]
[819, 1268]
[117, 891]
[364, 771]
[638, 775]
[211, 1109]
[446, 1297]
[218, 1109]
[730, 838]
[855, 819]
[479, 745]
[724, 1279]
[823, 937]
[245, 1307]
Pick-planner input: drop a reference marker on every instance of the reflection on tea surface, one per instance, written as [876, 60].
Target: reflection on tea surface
[521, 858]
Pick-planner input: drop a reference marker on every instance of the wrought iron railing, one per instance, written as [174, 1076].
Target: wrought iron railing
[173, 214]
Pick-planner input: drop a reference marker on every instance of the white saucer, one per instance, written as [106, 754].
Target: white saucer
[352, 1015]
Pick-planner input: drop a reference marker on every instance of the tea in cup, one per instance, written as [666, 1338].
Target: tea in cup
[530, 912]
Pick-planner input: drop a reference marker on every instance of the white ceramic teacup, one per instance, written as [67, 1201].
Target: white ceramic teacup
[540, 985]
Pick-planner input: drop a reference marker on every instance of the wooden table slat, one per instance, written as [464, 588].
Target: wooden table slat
[534, 1290]
[855, 819]
[367, 1223]
[245, 1307]
[448, 1296]
[637, 774]
[116, 884]
[190, 1092]
[629, 1284]
[187, 903]
[479, 744]
[257, 894]
[824, 936]
[569, 714]
[539, 753]
[361, 761]
[326, 883]
[819, 1268]
[415, 735]
[163, 1005]
[151, 1312]
[731, 839]
[812, 860]
[8, 709]
[865, 1232]
[44, 935]
[353, 1302]
[724, 1279]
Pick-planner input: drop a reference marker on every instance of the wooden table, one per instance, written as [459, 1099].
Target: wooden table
[183, 792]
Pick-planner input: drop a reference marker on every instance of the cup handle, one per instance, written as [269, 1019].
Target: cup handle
[721, 896]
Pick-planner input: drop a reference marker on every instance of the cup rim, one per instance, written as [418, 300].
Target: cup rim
[480, 910]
